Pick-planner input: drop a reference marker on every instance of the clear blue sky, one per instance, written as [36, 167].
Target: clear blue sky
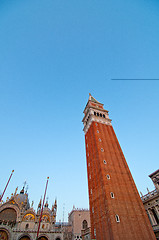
[52, 54]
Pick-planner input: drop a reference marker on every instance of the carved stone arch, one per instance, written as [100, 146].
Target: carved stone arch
[8, 216]
[4, 234]
[8, 205]
[29, 216]
[58, 238]
[43, 237]
[48, 213]
[46, 218]
[24, 236]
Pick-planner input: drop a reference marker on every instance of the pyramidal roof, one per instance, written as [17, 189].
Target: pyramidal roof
[93, 99]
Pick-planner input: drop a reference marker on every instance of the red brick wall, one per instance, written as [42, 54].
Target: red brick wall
[134, 223]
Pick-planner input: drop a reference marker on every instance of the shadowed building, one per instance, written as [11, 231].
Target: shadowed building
[116, 209]
[151, 203]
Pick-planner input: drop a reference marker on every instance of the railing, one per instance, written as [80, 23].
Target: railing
[86, 231]
[149, 195]
[8, 223]
[156, 228]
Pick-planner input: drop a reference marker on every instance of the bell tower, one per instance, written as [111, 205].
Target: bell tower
[116, 209]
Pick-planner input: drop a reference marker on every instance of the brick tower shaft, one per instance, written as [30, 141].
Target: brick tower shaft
[116, 210]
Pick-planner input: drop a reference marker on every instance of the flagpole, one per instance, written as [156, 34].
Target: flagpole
[6, 185]
[42, 208]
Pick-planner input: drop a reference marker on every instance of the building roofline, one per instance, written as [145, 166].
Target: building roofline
[153, 173]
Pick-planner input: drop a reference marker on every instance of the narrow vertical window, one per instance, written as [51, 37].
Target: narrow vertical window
[112, 195]
[108, 176]
[117, 218]
[84, 224]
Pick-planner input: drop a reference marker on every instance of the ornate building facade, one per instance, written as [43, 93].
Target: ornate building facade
[151, 203]
[19, 221]
[116, 209]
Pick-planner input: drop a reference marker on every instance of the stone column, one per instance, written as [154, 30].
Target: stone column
[153, 220]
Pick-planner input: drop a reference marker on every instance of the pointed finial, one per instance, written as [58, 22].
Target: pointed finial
[39, 205]
[16, 191]
[90, 96]
[32, 204]
[24, 183]
[46, 204]
[26, 190]
[52, 208]
[22, 191]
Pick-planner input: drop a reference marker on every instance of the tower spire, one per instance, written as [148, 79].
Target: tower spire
[91, 98]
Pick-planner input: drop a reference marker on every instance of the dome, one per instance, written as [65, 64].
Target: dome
[22, 199]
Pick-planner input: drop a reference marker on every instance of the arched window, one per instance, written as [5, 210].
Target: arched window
[42, 238]
[155, 215]
[3, 235]
[85, 224]
[27, 226]
[8, 214]
[24, 238]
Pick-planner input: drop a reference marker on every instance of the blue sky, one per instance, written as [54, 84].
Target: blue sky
[52, 54]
